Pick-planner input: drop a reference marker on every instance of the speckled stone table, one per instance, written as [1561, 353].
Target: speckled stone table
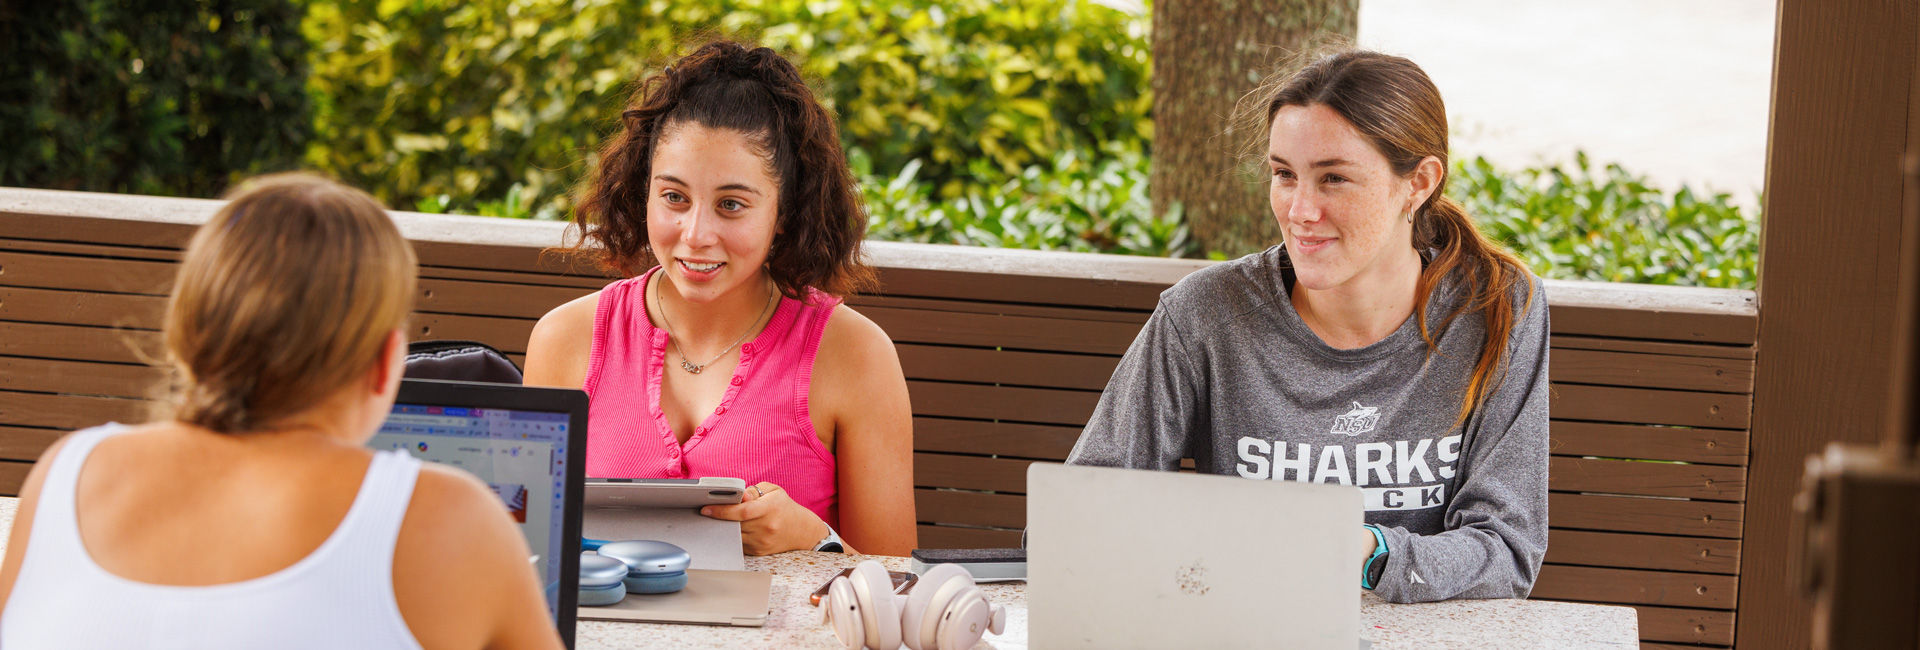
[1488, 624]
[1478, 624]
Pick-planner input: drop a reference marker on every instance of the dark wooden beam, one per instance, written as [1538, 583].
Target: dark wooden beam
[1843, 81]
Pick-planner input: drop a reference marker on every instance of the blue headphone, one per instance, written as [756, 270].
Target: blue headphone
[615, 569]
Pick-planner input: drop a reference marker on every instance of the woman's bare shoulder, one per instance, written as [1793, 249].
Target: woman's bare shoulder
[857, 345]
[571, 317]
[447, 495]
[457, 521]
[458, 561]
[558, 350]
[856, 369]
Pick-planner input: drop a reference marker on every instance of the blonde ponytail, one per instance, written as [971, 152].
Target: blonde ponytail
[284, 297]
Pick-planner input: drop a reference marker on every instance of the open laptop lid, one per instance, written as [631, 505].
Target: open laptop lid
[1121, 558]
[529, 444]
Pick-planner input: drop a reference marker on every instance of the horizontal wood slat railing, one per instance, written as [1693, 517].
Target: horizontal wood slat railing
[1005, 353]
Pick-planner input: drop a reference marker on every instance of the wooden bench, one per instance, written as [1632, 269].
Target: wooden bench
[1005, 354]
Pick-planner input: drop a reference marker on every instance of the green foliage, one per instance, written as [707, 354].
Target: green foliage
[1569, 223]
[179, 97]
[422, 98]
[1098, 206]
[954, 82]
[1582, 223]
[1018, 123]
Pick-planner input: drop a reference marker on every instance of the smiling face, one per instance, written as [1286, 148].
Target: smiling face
[711, 210]
[1339, 203]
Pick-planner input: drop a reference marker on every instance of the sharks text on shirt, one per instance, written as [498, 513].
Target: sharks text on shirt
[1397, 475]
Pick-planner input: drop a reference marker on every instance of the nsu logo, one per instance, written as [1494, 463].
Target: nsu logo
[1357, 421]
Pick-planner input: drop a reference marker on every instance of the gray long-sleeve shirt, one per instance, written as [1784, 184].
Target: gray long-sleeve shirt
[1226, 373]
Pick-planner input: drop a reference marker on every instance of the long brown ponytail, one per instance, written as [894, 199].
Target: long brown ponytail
[1392, 103]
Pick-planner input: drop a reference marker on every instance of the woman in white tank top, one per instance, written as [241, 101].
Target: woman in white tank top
[254, 517]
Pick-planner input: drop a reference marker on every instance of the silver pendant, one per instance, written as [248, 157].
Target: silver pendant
[689, 367]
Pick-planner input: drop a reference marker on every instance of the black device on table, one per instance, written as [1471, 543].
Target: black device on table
[986, 564]
[529, 444]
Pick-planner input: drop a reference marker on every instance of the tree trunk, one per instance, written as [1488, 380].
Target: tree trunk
[1206, 55]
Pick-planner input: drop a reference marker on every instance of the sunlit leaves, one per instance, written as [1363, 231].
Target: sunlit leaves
[1577, 222]
[1070, 203]
[1572, 222]
[520, 91]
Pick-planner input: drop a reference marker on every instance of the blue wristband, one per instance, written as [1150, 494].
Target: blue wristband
[1379, 549]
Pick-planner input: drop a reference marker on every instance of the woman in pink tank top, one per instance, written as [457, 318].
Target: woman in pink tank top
[734, 355]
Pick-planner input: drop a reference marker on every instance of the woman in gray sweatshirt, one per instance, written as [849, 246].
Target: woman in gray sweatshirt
[1387, 344]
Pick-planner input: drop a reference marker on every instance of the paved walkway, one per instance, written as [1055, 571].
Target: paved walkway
[1677, 91]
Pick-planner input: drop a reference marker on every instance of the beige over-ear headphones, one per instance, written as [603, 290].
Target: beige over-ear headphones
[945, 610]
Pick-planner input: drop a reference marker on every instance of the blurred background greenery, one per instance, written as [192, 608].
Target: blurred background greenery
[1018, 123]
[420, 99]
[176, 98]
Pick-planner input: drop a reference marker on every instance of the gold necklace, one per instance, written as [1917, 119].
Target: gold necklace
[689, 365]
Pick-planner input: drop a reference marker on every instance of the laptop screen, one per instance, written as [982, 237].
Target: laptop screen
[521, 454]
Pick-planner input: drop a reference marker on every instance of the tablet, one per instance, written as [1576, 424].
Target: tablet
[674, 493]
[668, 510]
[720, 591]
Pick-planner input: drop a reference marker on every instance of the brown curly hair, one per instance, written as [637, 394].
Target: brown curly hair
[726, 85]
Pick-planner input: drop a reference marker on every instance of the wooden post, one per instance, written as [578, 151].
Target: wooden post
[1844, 72]
[1206, 55]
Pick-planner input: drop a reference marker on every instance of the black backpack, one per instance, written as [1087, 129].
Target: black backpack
[460, 361]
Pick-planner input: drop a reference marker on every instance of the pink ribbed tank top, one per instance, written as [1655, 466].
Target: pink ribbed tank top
[761, 431]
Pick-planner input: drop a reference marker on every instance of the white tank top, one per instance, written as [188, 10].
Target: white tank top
[340, 596]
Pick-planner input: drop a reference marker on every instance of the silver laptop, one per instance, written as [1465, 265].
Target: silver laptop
[1120, 558]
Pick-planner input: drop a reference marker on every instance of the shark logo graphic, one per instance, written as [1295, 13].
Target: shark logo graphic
[1357, 421]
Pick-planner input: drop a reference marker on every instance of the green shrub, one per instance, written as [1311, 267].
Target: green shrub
[150, 97]
[1581, 223]
[1571, 223]
[1088, 205]
[423, 98]
[1568, 223]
